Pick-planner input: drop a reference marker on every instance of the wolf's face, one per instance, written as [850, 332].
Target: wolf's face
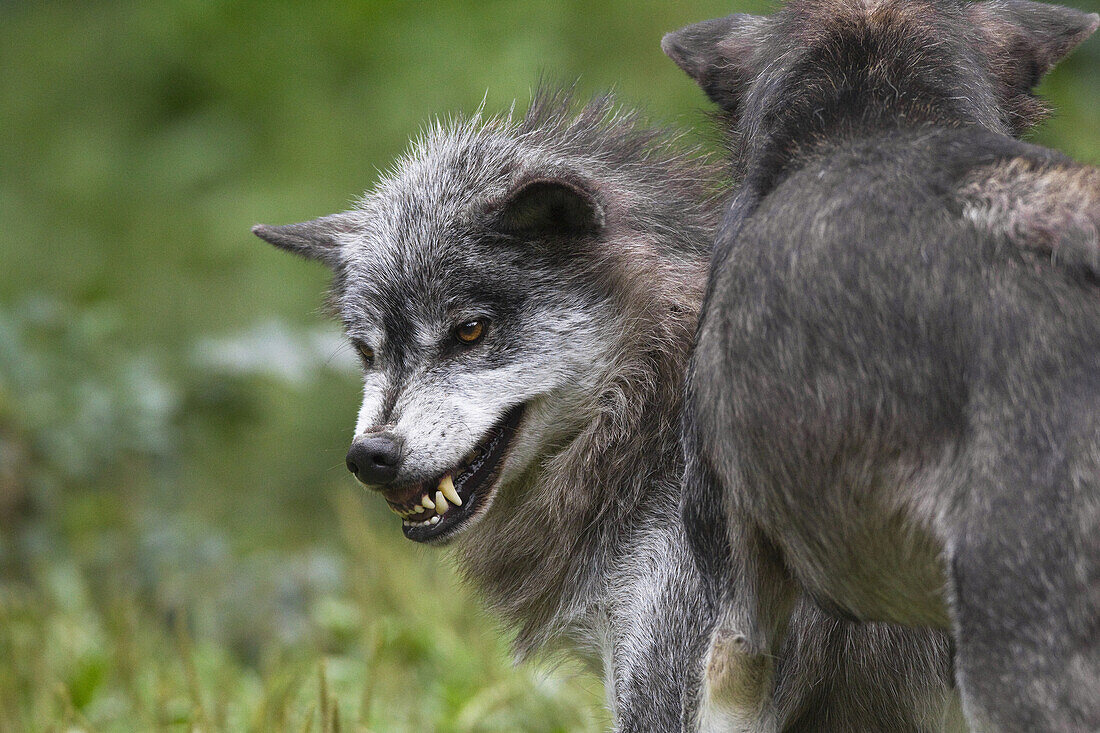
[469, 282]
[512, 286]
[480, 334]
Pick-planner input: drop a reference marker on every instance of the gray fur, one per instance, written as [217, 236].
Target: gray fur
[579, 548]
[586, 236]
[894, 404]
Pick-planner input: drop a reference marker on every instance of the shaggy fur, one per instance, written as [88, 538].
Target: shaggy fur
[580, 547]
[894, 401]
[587, 235]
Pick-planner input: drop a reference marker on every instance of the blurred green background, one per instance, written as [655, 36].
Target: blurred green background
[180, 545]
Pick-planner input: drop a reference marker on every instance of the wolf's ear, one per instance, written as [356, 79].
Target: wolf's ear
[550, 206]
[318, 239]
[1025, 40]
[717, 54]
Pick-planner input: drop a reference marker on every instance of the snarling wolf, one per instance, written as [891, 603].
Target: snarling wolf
[895, 399]
[524, 295]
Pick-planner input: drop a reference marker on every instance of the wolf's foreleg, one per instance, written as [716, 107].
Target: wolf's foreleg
[661, 620]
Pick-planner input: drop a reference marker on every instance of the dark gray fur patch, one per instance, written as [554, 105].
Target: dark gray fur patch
[894, 402]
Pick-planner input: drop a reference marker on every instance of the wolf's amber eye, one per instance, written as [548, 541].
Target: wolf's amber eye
[366, 352]
[471, 331]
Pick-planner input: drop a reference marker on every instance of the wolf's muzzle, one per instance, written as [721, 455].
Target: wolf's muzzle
[375, 458]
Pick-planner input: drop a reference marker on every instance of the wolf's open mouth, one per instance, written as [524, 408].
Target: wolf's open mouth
[435, 508]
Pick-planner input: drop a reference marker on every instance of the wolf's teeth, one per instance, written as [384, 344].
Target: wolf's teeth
[427, 503]
[417, 509]
[447, 488]
[406, 523]
[434, 520]
[441, 504]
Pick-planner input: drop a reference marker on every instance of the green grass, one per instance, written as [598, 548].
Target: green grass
[180, 546]
[148, 580]
[398, 646]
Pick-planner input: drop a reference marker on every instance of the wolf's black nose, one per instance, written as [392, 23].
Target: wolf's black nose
[375, 458]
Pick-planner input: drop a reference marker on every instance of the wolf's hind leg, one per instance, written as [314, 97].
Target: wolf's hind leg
[1025, 591]
[748, 584]
[755, 609]
[738, 686]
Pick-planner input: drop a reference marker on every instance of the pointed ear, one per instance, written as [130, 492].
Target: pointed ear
[318, 239]
[717, 54]
[1024, 41]
[550, 206]
[1045, 33]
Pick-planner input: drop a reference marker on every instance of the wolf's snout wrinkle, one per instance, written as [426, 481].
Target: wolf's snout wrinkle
[375, 458]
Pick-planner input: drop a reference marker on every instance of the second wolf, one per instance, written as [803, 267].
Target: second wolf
[896, 390]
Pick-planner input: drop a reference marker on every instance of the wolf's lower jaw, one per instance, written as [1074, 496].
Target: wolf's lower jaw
[437, 508]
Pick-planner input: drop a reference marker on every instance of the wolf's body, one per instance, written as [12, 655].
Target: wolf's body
[582, 240]
[896, 390]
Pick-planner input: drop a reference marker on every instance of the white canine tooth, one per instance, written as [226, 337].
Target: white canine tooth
[434, 520]
[440, 503]
[447, 488]
[427, 503]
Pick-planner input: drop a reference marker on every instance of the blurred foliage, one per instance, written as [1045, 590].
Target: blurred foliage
[179, 545]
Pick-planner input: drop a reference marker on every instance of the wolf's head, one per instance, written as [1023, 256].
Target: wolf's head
[817, 68]
[500, 284]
